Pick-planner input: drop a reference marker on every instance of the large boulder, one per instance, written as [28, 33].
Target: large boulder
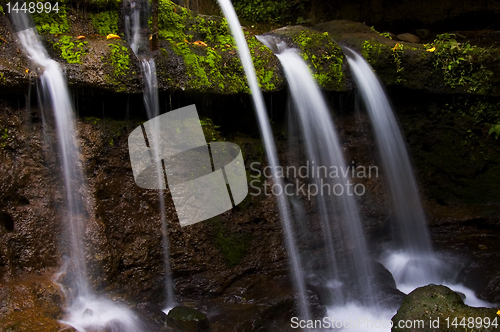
[434, 308]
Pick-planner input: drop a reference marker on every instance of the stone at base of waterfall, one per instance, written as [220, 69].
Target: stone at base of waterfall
[186, 320]
[422, 33]
[427, 308]
[408, 37]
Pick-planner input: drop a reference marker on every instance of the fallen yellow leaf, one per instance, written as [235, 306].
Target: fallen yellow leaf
[498, 312]
[112, 36]
[431, 49]
[396, 47]
[80, 37]
[185, 40]
[199, 42]
[27, 71]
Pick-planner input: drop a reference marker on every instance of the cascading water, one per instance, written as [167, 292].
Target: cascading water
[153, 110]
[152, 105]
[85, 310]
[132, 29]
[265, 130]
[413, 263]
[324, 151]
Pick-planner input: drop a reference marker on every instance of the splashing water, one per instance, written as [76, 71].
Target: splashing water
[85, 309]
[265, 130]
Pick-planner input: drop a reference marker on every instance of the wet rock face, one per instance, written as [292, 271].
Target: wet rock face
[29, 197]
[471, 234]
[32, 304]
[430, 306]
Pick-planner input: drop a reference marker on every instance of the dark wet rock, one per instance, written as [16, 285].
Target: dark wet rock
[404, 15]
[26, 188]
[408, 37]
[430, 303]
[475, 243]
[387, 293]
[31, 304]
[187, 320]
[422, 33]
[152, 316]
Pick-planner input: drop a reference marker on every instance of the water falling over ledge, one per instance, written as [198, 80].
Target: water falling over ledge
[85, 309]
[272, 157]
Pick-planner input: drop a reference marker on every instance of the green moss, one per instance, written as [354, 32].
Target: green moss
[324, 56]
[1, 10]
[261, 57]
[272, 11]
[209, 53]
[210, 130]
[71, 51]
[2, 78]
[462, 64]
[4, 138]
[120, 62]
[372, 50]
[495, 130]
[207, 65]
[233, 246]
[112, 4]
[172, 20]
[52, 22]
[92, 119]
[105, 22]
[376, 53]
[120, 59]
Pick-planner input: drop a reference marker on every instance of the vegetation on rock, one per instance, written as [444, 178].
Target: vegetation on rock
[52, 22]
[233, 246]
[324, 56]
[71, 51]
[271, 11]
[462, 64]
[208, 51]
[120, 61]
[439, 305]
[105, 22]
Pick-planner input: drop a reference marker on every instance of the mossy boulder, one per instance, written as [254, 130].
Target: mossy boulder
[434, 308]
[187, 319]
[322, 54]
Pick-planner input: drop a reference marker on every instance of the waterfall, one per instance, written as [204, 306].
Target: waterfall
[152, 105]
[413, 262]
[153, 110]
[323, 150]
[86, 311]
[272, 157]
[133, 29]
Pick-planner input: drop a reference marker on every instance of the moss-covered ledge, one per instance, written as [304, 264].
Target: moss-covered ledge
[443, 66]
[198, 54]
